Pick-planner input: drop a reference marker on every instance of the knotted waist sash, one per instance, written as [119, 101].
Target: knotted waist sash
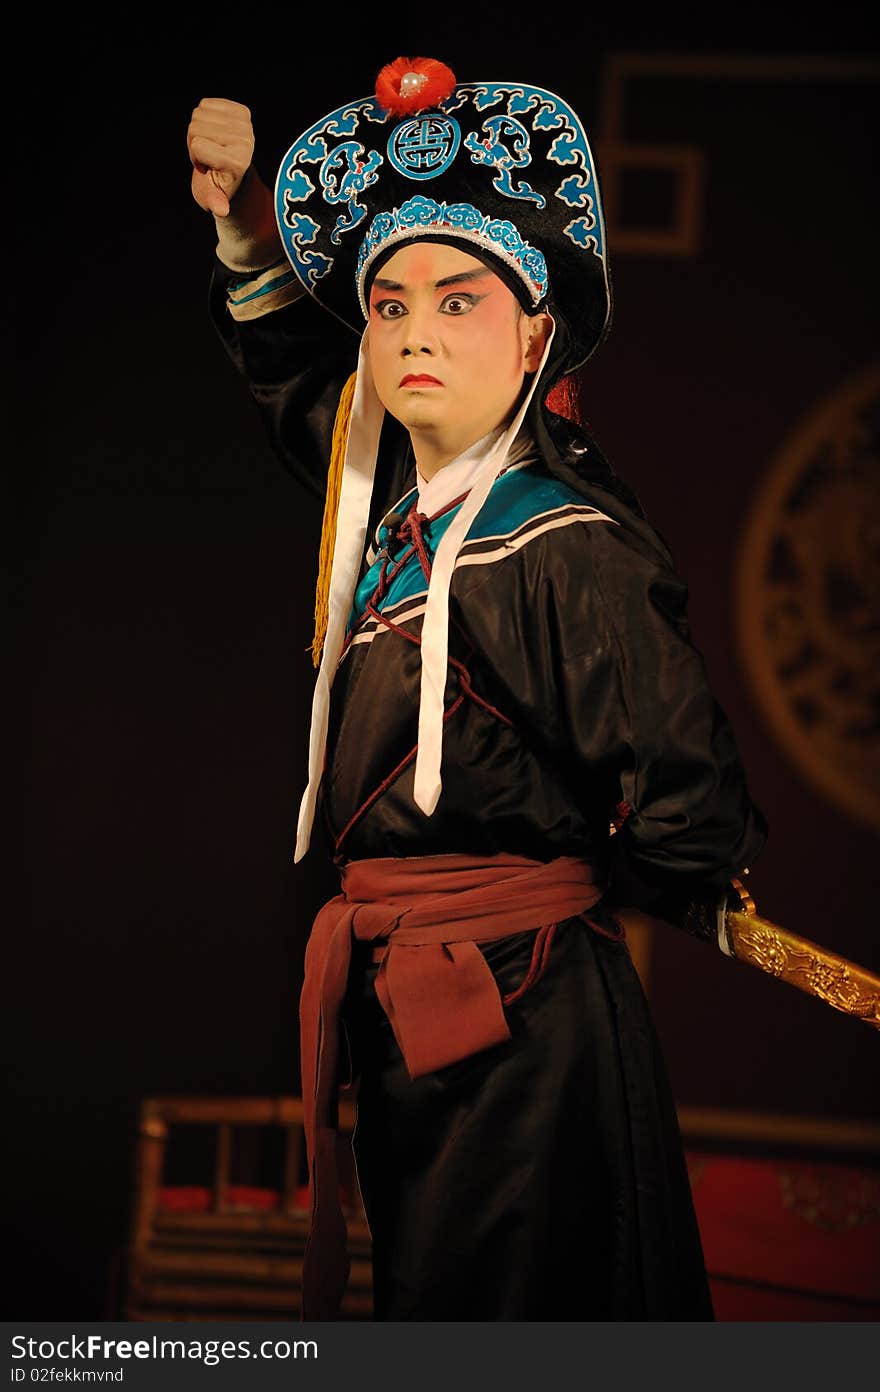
[426, 915]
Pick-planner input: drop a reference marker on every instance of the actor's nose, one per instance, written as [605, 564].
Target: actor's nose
[420, 336]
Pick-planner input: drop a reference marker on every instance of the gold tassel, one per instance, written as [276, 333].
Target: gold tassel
[331, 512]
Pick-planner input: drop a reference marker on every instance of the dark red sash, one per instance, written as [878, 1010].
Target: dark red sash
[426, 914]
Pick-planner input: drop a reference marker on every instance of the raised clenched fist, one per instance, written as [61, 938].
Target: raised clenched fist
[220, 140]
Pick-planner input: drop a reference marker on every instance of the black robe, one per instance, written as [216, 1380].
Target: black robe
[541, 1179]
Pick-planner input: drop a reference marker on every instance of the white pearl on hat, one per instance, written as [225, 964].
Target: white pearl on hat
[412, 82]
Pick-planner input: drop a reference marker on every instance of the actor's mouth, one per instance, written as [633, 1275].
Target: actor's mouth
[422, 379]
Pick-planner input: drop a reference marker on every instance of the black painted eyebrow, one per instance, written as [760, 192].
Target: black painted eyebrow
[464, 275]
[438, 284]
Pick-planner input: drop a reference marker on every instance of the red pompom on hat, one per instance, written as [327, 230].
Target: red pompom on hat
[413, 84]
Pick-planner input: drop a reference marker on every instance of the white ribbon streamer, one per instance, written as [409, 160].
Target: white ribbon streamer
[435, 626]
[354, 507]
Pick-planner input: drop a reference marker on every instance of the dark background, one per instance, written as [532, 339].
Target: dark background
[165, 569]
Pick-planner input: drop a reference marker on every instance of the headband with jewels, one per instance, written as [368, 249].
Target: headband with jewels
[501, 168]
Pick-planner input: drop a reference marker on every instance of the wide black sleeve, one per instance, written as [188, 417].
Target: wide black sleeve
[692, 826]
[295, 361]
[599, 669]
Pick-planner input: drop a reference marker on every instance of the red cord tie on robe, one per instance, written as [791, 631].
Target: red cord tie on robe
[426, 915]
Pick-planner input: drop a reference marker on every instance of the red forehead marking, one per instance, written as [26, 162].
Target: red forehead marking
[422, 266]
[423, 263]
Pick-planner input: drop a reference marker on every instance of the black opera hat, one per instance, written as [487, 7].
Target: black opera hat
[502, 169]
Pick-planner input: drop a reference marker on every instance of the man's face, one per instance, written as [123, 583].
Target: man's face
[448, 345]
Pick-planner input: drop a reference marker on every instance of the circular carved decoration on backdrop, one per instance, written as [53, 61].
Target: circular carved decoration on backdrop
[808, 597]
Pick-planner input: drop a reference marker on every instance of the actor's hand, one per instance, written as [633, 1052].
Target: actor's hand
[220, 140]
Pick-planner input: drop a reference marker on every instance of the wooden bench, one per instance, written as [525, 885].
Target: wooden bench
[225, 1250]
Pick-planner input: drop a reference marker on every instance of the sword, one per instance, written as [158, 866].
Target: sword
[741, 933]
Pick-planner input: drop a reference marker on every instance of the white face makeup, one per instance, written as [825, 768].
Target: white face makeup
[448, 348]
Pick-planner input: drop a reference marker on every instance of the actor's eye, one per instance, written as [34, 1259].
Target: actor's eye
[458, 304]
[389, 309]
